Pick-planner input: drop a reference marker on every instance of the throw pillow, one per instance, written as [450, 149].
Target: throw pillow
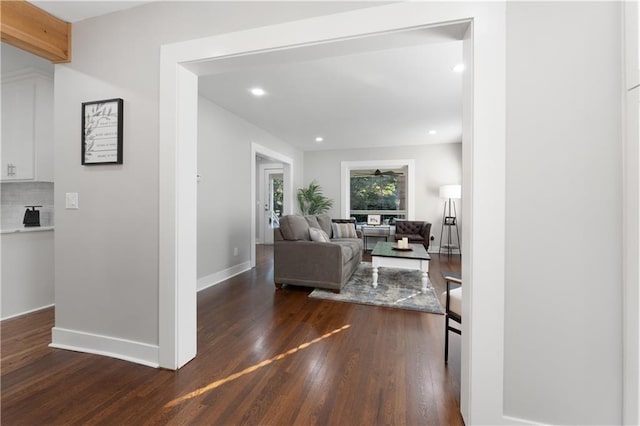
[344, 230]
[318, 235]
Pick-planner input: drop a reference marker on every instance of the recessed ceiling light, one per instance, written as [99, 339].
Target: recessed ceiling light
[458, 68]
[257, 91]
[319, 139]
[432, 132]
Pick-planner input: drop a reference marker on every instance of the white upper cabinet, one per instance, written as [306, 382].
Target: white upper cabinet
[631, 44]
[27, 127]
[18, 143]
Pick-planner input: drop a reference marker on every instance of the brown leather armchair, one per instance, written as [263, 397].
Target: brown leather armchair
[417, 232]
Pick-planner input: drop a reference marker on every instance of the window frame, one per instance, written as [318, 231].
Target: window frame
[345, 182]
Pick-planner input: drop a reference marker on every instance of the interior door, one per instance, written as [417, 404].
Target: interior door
[273, 196]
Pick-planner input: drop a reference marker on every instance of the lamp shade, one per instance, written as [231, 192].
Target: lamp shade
[451, 191]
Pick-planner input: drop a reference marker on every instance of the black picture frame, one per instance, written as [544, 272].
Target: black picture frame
[102, 132]
[450, 220]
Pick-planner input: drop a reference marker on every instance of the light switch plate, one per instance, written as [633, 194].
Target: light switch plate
[71, 200]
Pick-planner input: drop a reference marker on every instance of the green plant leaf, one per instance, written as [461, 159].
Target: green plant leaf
[311, 200]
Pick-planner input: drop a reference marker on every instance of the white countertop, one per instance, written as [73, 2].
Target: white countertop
[29, 229]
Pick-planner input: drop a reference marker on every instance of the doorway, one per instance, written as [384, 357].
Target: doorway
[266, 166]
[273, 194]
[269, 198]
[483, 172]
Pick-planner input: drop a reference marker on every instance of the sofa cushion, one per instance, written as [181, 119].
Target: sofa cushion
[344, 230]
[324, 220]
[317, 234]
[294, 228]
[350, 247]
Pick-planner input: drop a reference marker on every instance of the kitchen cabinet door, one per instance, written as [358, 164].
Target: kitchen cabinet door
[18, 143]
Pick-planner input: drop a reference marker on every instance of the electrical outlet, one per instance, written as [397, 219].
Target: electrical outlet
[235, 251]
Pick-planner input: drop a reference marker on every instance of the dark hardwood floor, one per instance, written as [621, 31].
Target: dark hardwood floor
[264, 357]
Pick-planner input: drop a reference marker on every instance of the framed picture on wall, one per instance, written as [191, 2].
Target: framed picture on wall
[373, 219]
[102, 132]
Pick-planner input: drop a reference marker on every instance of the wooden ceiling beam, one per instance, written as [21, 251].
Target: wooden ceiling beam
[29, 28]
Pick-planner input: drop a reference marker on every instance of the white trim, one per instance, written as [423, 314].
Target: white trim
[177, 207]
[631, 258]
[220, 276]
[128, 350]
[30, 311]
[483, 148]
[167, 216]
[345, 173]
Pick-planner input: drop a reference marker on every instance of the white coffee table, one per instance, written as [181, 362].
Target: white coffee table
[383, 255]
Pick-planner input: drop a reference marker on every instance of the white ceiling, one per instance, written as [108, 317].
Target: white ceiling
[370, 92]
[376, 91]
[74, 11]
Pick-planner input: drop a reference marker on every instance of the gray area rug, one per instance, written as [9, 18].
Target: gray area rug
[397, 288]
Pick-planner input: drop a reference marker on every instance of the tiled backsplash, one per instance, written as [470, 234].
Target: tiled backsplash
[14, 196]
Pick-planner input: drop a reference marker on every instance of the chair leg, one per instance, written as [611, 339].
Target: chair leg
[446, 339]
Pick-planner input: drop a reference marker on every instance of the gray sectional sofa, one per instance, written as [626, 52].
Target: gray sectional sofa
[300, 261]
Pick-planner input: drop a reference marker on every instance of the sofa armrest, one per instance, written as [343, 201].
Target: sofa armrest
[426, 231]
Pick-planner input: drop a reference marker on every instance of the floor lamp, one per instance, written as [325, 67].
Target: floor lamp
[449, 219]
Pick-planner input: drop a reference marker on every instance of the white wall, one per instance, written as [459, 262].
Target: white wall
[563, 241]
[435, 165]
[106, 264]
[224, 190]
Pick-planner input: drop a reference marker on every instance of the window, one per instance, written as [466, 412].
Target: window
[378, 191]
[394, 198]
[276, 194]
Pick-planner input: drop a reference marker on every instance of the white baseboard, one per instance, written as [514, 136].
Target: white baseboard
[128, 350]
[218, 277]
[30, 311]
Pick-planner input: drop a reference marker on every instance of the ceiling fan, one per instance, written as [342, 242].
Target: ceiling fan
[377, 172]
[386, 173]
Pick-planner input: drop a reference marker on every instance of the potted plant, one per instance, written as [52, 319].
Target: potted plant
[311, 201]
